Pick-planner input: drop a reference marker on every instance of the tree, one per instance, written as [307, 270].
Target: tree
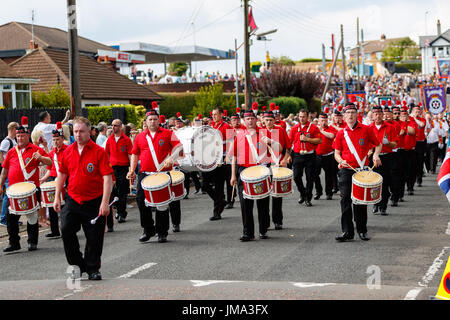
[283, 60]
[178, 68]
[207, 98]
[400, 50]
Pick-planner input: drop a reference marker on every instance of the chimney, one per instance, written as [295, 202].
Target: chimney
[439, 28]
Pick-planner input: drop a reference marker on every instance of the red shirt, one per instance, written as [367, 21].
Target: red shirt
[420, 131]
[222, 127]
[118, 151]
[281, 123]
[85, 171]
[163, 142]
[310, 130]
[386, 129]
[243, 152]
[12, 164]
[279, 135]
[410, 140]
[59, 155]
[363, 138]
[326, 146]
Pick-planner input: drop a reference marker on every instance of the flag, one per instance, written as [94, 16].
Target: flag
[251, 22]
[444, 175]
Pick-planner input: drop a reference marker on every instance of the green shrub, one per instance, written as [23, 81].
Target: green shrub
[176, 102]
[97, 114]
[315, 105]
[55, 97]
[413, 67]
[229, 101]
[289, 104]
[208, 98]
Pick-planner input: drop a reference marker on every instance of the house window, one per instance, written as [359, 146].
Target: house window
[15, 96]
[379, 55]
[7, 99]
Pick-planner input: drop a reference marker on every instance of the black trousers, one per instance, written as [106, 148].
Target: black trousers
[161, 223]
[411, 168]
[397, 174]
[247, 210]
[121, 189]
[227, 181]
[421, 147]
[187, 180]
[216, 177]
[327, 164]
[175, 212]
[385, 171]
[54, 221]
[348, 209]
[307, 163]
[75, 216]
[12, 226]
[277, 210]
[432, 156]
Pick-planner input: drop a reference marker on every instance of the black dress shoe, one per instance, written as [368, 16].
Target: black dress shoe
[375, 208]
[176, 228]
[110, 230]
[121, 219]
[52, 235]
[419, 184]
[32, 247]
[394, 204]
[204, 192]
[162, 239]
[95, 276]
[116, 215]
[401, 200]
[278, 226]
[344, 237]
[146, 236]
[329, 197]
[335, 190]
[215, 217]
[263, 236]
[308, 203]
[245, 238]
[12, 247]
[301, 200]
[363, 236]
[383, 212]
[197, 191]
[229, 205]
[410, 193]
[317, 197]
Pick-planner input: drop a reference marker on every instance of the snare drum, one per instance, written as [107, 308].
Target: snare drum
[281, 182]
[366, 187]
[177, 184]
[48, 194]
[157, 190]
[22, 198]
[256, 181]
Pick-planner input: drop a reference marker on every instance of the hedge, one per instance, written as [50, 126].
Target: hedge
[133, 114]
[288, 104]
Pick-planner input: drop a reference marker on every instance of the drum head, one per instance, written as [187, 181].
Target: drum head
[255, 172]
[281, 172]
[50, 184]
[367, 177]
[155, 180]
[176, 176]
[21, 188]
[206, 148]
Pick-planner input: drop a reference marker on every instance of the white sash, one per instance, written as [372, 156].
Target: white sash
[253, 149]
[26, 175]
[55, 161]
[153, 153]
[353, 150]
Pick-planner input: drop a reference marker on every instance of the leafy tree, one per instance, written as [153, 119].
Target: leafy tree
[178, 68]
[283, 60]
[55, 97]
[208, 98]
[399, 50]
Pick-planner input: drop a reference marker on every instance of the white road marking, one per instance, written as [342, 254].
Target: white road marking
[202, 283]
[412, 294]
[311, 284]
[447, 232]
[136, 271]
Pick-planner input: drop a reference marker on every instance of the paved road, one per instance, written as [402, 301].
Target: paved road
[409, 248]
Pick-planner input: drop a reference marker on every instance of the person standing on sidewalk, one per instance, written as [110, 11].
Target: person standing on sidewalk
[7, 144]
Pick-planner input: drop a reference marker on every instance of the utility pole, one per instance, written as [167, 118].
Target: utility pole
[332, 52]
[323, 60]
[331, 71]
[344, 82]
[32, 29]
[74, 58]
[358, 49]
[362, 52]
[237, 71]
[247, 92]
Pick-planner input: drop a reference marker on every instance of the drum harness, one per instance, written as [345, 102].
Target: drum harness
[354, 152]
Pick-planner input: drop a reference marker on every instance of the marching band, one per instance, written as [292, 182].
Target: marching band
[369, 158]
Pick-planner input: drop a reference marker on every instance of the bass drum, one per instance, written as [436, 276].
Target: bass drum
[203, 148]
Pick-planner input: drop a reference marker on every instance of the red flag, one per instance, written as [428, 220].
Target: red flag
[251, 21]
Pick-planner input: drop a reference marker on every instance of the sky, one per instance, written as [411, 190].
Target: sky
[302, 26]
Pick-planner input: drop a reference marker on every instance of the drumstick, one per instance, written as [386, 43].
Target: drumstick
[93, 221]
[232, 193]
[161, 166]
[131, 187]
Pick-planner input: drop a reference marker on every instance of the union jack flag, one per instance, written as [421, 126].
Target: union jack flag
[444, 175]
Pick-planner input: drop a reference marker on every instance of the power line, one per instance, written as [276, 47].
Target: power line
[194, 13]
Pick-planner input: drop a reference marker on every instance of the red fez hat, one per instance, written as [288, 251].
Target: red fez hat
[326, 110]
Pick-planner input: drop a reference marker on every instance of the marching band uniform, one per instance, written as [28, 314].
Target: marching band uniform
[325, 160]
[433, 136]
[152, 151]
[397, 163]
[86, 171]
[353, 145]
[421, 146]
[410, 155]
[14, 164]
[118, 151]
[304, 158]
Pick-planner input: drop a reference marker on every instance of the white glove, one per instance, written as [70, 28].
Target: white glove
[440, 145]
[385, 140]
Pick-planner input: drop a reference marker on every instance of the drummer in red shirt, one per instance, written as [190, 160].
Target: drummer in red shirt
[157, 149]
[118, 148]
[304, 136]
[56, 155]
[280, 156]
[386, 135]
[410, 128]
[88, 192]
[276, 112]
[325, 157]
[421, 142]
[391, 116]
[243, 157]
[21, 165]
[353, 153]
